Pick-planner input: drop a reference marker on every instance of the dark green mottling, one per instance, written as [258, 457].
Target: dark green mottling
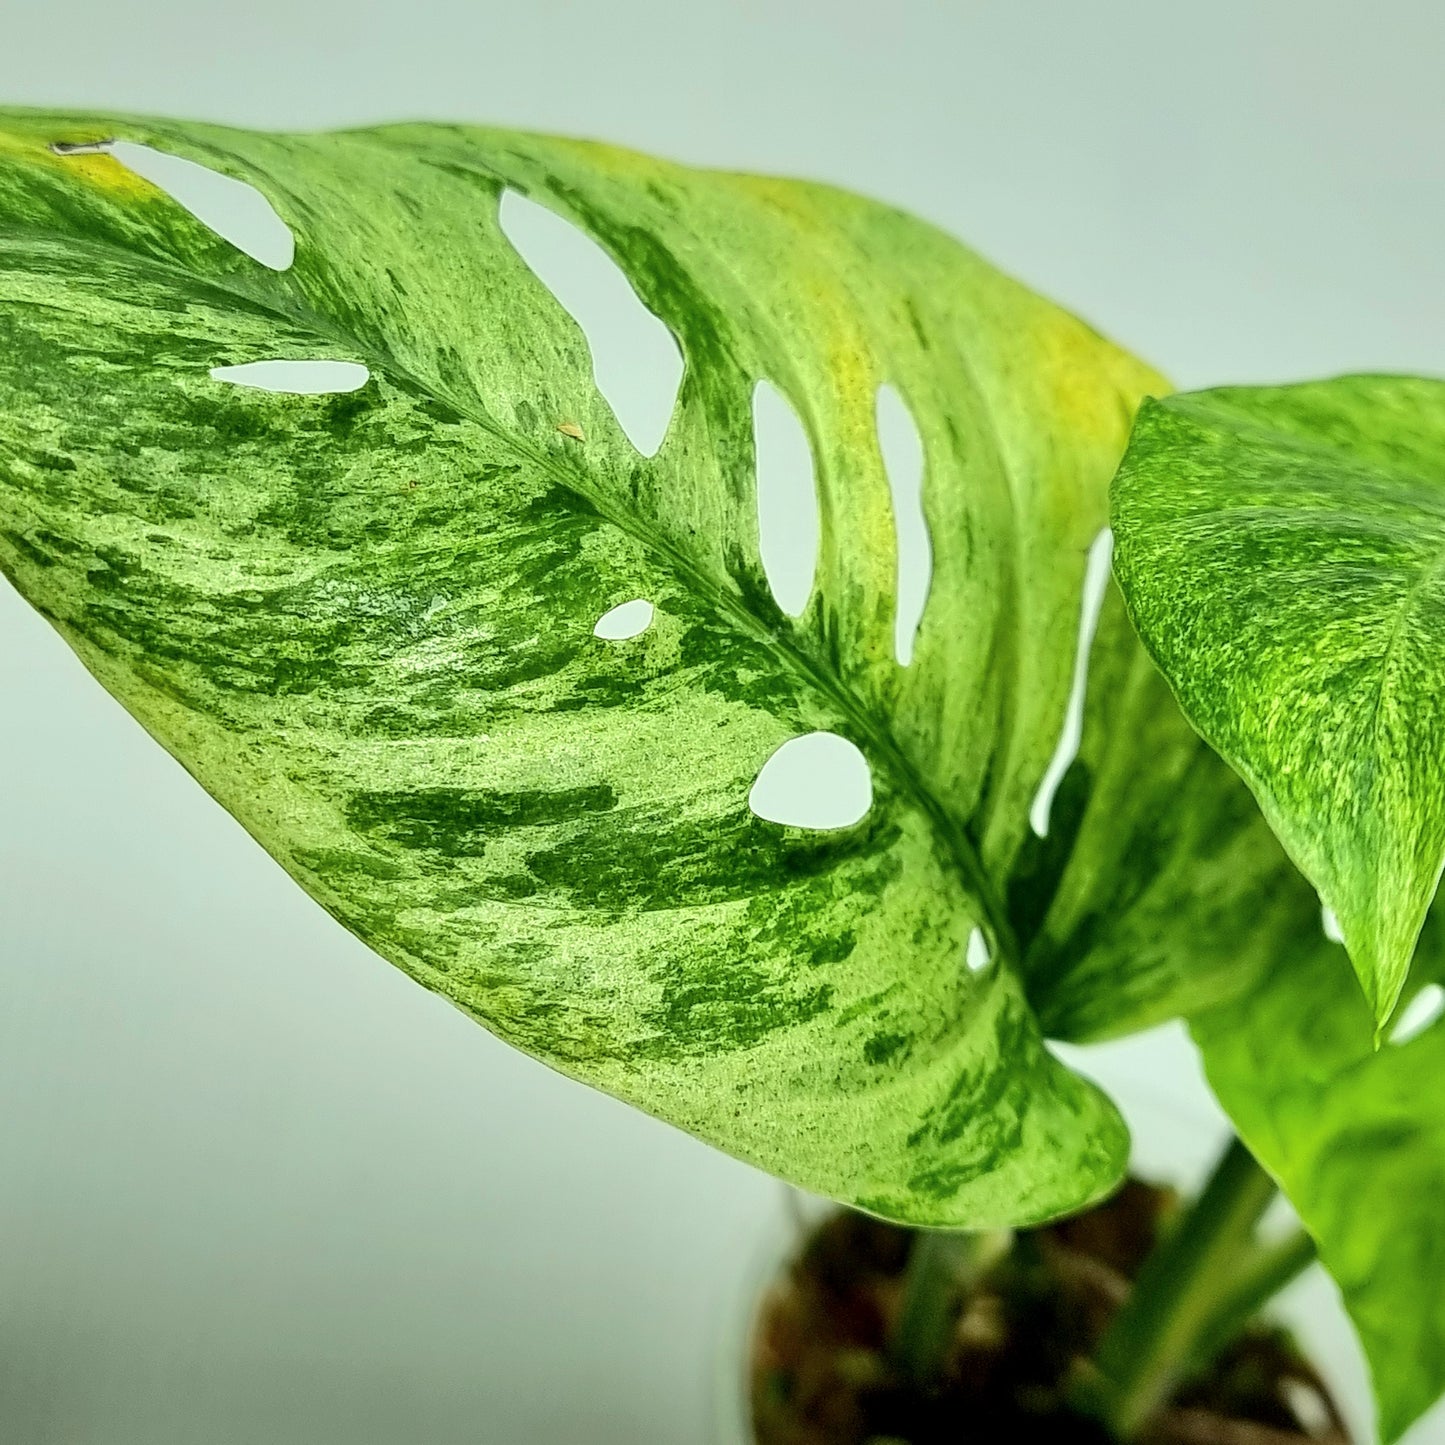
[364, 623]
[883, 1048]
[1281, 549]
[1157, 887]
[456, 823]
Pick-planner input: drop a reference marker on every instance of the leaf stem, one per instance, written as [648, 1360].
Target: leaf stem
[1268, 1269]
[1204, 1281]
[942, 1265]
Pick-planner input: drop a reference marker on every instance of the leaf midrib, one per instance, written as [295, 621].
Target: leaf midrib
[957, 840]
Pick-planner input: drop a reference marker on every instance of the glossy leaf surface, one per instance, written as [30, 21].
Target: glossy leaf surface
[366, 622]
[1356, 1137]
[1281, 551]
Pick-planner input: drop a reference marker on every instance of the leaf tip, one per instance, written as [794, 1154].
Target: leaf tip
[1382, 983]
[1380, 961]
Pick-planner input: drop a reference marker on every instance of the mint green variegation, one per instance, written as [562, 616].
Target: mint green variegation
[1356, 1137]
[365, 623]
[1282, 550]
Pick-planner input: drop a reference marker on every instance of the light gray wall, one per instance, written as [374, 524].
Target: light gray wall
[239, 1201]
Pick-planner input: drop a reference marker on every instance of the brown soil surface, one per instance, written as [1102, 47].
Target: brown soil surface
[821, 1374]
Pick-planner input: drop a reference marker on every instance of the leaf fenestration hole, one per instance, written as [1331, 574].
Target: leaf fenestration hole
[976, 955]
[627, 619]
[818, 780]
[235, 210]
[1096, 583]
[788, 525]
[300, 378]
[1419, 1014]
[903, 460]
[636, 361]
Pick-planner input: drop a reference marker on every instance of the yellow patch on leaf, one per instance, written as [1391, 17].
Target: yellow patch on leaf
[98, 168]
[1072, 354]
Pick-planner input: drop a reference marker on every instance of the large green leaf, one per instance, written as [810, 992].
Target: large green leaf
[1166, 880]
[1281, 551]
[1356, 1136]
[365, 623]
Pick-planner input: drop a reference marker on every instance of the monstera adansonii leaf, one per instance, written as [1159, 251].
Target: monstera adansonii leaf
[365, 623]
[1356, 1137]
[1280, 549]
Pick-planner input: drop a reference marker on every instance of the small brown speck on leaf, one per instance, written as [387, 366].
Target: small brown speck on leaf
[571, 429]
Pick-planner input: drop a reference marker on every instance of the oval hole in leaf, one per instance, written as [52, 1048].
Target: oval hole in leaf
[976, 955]
[1096, 583]
[235, 210]
[627, 619]
[788, 527]
[819, 780]
[1422, 1011]
[300, 378]
[636, 361]
[902, 449]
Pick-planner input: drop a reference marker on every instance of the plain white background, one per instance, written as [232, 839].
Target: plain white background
[255, 1186]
